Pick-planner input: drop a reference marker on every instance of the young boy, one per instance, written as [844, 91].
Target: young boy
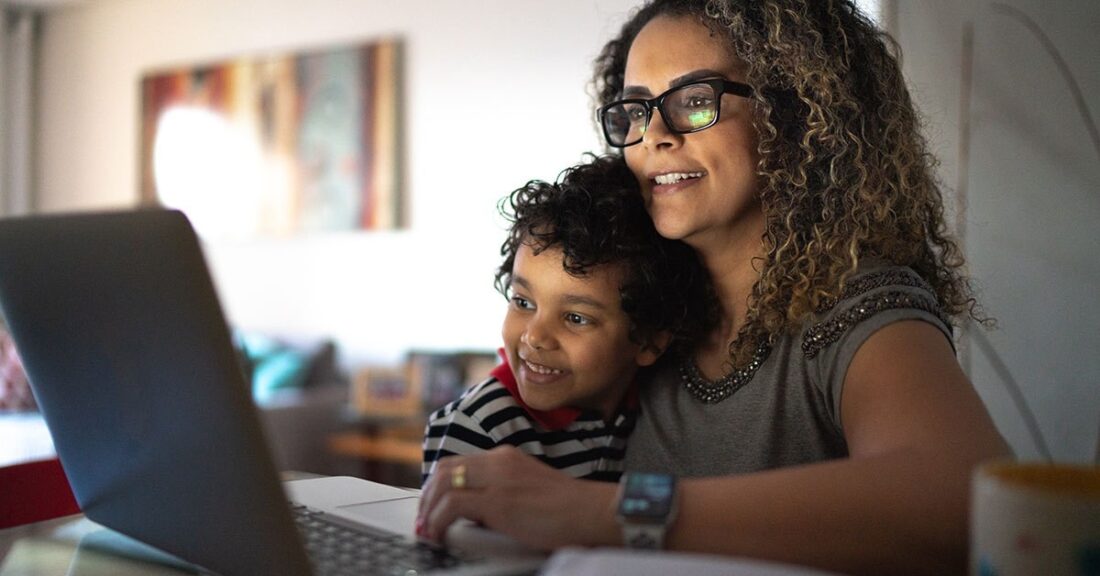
[594, 294]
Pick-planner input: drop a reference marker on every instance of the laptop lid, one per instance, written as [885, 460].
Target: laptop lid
[129, 356]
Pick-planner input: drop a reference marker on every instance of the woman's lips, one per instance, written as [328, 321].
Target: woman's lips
[674, 177]
[670, 182]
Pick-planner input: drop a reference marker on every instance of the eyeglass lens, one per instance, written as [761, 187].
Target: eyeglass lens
[685, 109]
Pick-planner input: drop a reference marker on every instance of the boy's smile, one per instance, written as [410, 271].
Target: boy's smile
[538, 372]
[567, 338]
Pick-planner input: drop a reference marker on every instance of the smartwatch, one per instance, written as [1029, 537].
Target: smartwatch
[647, 506]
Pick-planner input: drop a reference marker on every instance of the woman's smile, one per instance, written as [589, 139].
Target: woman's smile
[674, 177]
[671, 182]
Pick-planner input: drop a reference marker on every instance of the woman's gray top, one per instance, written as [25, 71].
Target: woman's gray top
[788, 412]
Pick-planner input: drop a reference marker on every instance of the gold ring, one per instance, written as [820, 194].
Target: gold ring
[458, 477]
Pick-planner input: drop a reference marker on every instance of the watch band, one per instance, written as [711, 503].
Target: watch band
[647, 506]
[644, 536]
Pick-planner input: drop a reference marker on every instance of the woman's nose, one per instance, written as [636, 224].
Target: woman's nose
[657, 132]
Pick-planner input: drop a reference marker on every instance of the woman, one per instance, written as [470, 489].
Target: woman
[825, 421]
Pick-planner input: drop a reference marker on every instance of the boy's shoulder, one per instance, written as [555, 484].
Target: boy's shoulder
[487, 397]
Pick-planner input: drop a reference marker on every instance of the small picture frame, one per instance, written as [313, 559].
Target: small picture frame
[440, 378]
[426, 382]
[384, 391]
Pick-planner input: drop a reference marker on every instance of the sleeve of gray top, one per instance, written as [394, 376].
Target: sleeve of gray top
[851, 322]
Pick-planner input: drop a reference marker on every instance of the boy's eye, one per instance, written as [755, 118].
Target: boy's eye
[522, 303]
[577, 319]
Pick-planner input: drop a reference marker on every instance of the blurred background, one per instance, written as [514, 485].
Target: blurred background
[493, 93]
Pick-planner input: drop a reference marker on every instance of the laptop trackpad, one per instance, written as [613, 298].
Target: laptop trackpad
[397, 515]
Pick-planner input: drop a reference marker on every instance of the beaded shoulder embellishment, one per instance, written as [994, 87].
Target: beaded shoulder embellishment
[824, 333]
[714, 391]
[866, 283]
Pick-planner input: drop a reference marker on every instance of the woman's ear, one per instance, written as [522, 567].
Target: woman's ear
[652, 347]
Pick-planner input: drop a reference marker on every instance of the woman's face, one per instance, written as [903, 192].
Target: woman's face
[699, 187]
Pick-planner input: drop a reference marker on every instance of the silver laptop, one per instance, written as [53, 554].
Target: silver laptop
[130, 358]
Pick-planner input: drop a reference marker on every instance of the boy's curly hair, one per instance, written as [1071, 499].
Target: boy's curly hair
[595, 214]
[846, 174]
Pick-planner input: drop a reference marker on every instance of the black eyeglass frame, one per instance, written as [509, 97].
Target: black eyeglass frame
[719, 85]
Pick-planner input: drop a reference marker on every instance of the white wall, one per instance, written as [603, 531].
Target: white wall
[495, 96]
[1033, 191]
[1034, 180]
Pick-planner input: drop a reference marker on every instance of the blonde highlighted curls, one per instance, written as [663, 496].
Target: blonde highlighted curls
[846, 174]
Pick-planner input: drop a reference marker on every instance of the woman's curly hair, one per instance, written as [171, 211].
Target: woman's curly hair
[595, 215]
[846, 174]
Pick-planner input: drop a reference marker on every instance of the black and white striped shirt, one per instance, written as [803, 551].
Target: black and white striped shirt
[489, 414]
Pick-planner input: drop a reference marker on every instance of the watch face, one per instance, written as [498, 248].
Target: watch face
[647, 496]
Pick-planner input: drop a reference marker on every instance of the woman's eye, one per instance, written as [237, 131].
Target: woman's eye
[693, 96]
[522, 303]
[698, 102]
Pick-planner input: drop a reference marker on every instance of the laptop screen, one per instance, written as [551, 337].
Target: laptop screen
[129, 356]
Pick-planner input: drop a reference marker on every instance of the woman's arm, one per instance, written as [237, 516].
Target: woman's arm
[915, 429]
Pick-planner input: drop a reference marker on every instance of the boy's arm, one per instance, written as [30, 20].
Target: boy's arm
[453, 430]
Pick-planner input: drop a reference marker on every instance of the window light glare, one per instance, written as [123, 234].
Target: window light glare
[209, 169]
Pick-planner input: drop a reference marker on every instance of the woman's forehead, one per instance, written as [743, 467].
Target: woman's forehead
[671, 49]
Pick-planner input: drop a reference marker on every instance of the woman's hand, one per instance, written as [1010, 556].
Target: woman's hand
[515, 494]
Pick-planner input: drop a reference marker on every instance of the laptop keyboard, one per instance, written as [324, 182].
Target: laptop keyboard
[336, 549]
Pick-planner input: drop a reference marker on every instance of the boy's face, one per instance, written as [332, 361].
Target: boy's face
[567, 337]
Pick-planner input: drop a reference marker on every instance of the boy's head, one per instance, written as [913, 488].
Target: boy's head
[594, 292]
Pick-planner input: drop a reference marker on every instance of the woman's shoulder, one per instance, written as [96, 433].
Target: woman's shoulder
[873, 276]
[877, 293]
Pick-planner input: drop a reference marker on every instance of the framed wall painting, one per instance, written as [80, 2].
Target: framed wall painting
[279, 144]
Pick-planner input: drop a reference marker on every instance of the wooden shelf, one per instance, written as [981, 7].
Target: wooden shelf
[382, 439]
[379, 447]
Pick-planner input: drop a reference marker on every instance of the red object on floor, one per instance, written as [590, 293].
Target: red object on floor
[34, 491]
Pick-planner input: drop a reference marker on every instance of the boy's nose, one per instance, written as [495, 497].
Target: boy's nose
[537, 336]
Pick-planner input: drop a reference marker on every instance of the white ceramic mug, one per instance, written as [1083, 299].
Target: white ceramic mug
[1032, 519]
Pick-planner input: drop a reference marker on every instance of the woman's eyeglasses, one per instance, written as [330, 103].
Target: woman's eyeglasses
[684, 109]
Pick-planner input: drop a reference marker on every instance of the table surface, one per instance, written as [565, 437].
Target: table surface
[57, 547]
[67, 547]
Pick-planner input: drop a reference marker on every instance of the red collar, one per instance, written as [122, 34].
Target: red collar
[550, 419]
